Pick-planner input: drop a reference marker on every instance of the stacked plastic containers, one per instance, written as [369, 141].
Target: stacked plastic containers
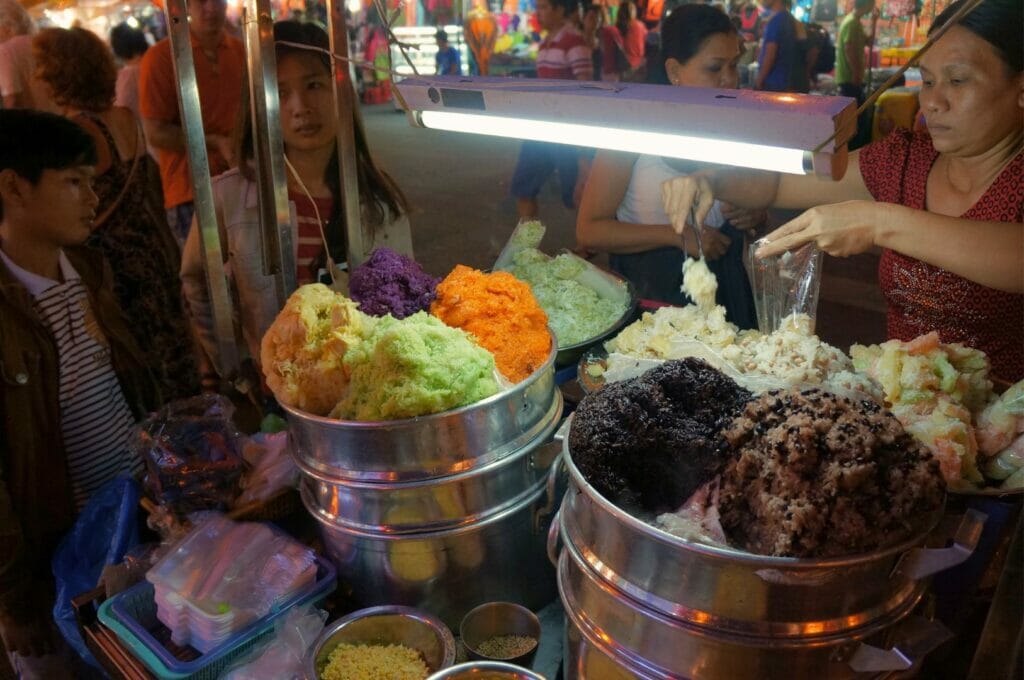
[224, 576]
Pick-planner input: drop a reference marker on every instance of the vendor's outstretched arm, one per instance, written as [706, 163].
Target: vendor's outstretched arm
[757, 189]
[989, 253]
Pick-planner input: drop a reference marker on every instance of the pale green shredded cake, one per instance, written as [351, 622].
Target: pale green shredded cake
[575, 312]
[414, 367]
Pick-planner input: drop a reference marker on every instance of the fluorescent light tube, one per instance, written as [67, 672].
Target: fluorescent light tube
[742, 154]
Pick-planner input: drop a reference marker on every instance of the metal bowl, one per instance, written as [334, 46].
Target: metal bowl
[492, 619]
[428, 446]
[486, 670]
[570, 354]
[386, 625]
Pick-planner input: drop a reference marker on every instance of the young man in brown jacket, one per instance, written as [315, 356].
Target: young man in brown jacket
[72, 384]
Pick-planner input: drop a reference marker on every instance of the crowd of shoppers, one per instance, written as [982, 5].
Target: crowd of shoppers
[103, 317]
[96, 329]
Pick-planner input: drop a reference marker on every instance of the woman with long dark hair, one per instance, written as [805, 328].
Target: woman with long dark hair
[621, 212]
[309, 123]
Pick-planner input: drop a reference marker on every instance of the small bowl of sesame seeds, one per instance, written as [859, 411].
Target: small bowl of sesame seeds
[501, 631]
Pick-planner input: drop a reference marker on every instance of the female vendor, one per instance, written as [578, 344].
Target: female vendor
[946, 205]
[621, 210]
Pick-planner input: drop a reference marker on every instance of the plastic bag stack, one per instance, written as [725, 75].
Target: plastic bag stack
[225, 575]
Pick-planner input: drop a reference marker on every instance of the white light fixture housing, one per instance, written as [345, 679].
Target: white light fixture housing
[760, 130]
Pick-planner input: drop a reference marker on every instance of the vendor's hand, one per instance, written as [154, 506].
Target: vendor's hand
[714, 243]
[32, 637]
[680, 194]
[744, 219]
[841, 230]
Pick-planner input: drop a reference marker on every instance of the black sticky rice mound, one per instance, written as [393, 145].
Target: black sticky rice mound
[650, 442]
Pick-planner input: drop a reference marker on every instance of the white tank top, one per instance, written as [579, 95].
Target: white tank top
[642, 203]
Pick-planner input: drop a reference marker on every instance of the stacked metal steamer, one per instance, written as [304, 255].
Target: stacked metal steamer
[440, 512]
[641, 603]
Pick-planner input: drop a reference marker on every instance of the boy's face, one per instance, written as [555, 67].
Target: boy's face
[58, 210]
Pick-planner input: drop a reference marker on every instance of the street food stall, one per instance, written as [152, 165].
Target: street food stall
[526, 465]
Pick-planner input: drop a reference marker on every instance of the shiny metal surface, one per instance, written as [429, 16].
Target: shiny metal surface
[429, 446]
[384, 626]
[202, 188]
[345, 102]
[268, 148]
[486, 670]
[570, 354]
[493, 619]
[440, 503]
[727, 589]
[448, 572]
[617, 637]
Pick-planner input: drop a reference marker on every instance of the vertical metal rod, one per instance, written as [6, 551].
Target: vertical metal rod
[344, 95]
[277, 244]
[202, 188]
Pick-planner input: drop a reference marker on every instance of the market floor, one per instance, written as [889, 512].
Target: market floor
[462, 213]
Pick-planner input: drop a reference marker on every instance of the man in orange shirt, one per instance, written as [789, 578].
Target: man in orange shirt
[220, 69]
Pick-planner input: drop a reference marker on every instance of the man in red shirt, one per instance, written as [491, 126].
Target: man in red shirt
[220, 69]
[565, 55]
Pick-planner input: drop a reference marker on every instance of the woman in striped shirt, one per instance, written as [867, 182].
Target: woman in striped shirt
[309, 129]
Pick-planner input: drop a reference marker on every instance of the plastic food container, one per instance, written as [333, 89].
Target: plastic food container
[132, 616]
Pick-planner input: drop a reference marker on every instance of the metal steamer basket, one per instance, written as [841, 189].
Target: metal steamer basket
[450, 571]
[467, 526]
[611, 636]
[439, 503]
[654, 605]
[429, 446]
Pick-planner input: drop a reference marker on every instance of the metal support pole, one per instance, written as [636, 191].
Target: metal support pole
[277, 244]
[344, 95]
[202, 188]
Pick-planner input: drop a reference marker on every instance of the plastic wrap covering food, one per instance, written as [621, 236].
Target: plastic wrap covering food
[223, 576]
[1001, 438]
[580, 300]
[785, 285]
[193, 454]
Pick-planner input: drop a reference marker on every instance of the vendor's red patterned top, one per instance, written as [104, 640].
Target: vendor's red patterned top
[923, 298]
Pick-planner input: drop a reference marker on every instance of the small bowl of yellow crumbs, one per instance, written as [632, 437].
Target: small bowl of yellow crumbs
[381, 643]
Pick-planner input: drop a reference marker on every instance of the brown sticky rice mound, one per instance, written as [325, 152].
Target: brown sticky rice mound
[816, 475]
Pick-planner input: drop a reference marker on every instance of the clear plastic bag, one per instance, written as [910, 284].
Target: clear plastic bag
[224, 575]
[272, 467]
[193, 456]
[282, 656]
[784, 285]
